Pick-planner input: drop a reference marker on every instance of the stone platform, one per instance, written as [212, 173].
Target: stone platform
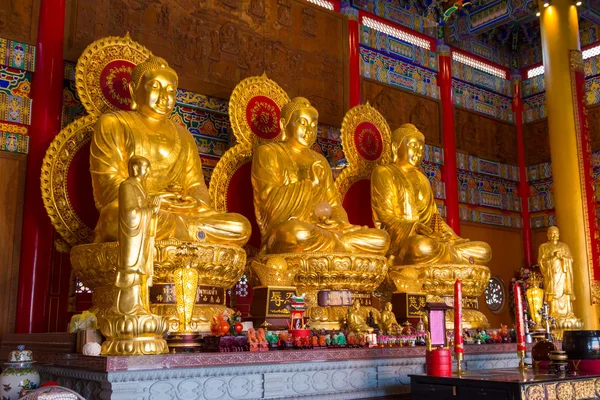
[321, 374]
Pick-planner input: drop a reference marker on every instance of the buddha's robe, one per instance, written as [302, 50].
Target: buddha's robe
[174, 160]
[284, 203]
[400, 199]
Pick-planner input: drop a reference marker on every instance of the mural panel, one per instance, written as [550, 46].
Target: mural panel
[485, 137]
[213, 44]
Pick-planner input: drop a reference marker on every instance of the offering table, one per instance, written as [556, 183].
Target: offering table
[328, 373]
[505, 384]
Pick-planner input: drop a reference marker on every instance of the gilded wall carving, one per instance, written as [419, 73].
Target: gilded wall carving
[485, 137]
[213, 44]
[19, 20]
[399, 107]
[537, 142]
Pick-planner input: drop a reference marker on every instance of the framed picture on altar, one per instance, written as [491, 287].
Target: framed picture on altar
[436, 315]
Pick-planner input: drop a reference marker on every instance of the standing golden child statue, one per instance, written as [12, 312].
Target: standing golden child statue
[403, 205]
[556, 264]
[297, 205]
[146, 131]
[129, 327]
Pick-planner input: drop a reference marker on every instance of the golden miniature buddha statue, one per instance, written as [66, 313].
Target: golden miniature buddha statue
[389, 325]
[535, 299]
[137, 228]
[297, 205]
[146, 131]
[403, 205]
[556, 264]
[355, 320]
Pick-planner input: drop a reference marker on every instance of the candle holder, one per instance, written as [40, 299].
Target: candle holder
[458, 357]
[522, 366]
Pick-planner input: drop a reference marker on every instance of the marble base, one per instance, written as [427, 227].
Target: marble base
[320, 374]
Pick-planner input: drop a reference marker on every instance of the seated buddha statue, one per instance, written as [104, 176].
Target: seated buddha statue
[297, 205]
[177, 178]
[403, 205]
[355, 320]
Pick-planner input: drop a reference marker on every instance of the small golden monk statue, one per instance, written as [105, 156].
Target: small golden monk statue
[297, 205]
[535, 299]
[389, 325]
[556, 264]
[137, 229]
[129, 327]
[177, 176]
[355, 320]
[403, 205]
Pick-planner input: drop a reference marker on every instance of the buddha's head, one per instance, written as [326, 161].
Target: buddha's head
[299, 122]
[407, 145]
[553, 234]
[153, 88]
[388, 306]
[356, 305]
[139, 167]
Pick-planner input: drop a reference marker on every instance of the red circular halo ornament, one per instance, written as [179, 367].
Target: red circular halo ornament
[368, 141]
[262, 115]
[114, 83]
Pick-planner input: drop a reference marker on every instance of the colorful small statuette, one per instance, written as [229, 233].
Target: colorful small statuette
[263, 345]
[19, 374]
[253, 340]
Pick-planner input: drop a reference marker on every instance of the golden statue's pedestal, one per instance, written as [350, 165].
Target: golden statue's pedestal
[190, 279]
[331, 281]
[437, 282]
[133, 334]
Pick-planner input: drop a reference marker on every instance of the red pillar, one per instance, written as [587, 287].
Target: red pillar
[449, 174]
[354, 56]
[37, 239]
[523, 184]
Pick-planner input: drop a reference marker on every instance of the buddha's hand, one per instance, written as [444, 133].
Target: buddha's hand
[316, 173]
[155, 205]
[423, 229]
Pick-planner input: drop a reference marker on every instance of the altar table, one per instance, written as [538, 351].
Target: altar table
[506, 384]
[321, 374]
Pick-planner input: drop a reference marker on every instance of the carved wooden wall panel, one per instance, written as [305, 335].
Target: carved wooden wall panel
[485, 137]
[594, 123]
[537, 142]
[213, 44]
[19, 20]
[401, 107]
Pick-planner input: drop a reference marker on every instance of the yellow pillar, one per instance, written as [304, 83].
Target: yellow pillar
[560, 34]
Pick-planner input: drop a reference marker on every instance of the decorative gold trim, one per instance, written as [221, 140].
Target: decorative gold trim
[247, 141]
[242, 94]
[55, 171]
[226, 167]
[92, 62]
[358, 167]
[439, 279]
[334, 271]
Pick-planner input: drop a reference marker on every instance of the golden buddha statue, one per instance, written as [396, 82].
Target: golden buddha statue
[297, 205]
[403, 205]
[389, 325]
[556, 264]
[355, 319]
[185, 213]
[535, 299]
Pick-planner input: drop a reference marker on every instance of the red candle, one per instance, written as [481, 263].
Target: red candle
[519, 317]
[458, 336]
